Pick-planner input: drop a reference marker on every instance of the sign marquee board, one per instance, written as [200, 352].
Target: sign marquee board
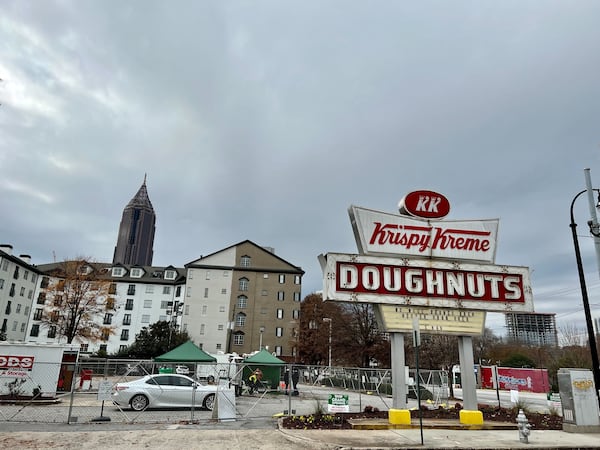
[457, 322]
[384, 234]
[422, 282]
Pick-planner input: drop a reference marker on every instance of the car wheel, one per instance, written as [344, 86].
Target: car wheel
[139, 402]
[209, 402]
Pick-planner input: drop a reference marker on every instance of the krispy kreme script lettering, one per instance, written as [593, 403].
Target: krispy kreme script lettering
[422, 238]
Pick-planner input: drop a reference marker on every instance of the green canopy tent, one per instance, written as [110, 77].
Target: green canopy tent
[269, 365]
[187, 352]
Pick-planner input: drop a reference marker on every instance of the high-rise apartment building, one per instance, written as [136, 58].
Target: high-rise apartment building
[136, 231]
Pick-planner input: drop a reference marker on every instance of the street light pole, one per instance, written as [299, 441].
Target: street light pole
[262, 330]
[328, 319]
[584, 296]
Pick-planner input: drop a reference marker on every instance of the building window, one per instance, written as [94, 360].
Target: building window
[35, 330]
[131, 289]
[146, 318]
[221, 308]
[278, 350]
[149, 289]
[280, 296]
[243, 284]
[107, 319]
[218, 346]
[16, 274]
[205, 292]
[220, 327]
[296, 296]
[245, 261]
[164, 304]
[264, 292]
[136, 273]
[18, 309]
[188, 291]
[11, 293]
[280, 313]
[30, 294]
[187, 310]
[265, 275]
[5, 265]
[162, 318]
[55, 316]
[278, 331]
[52, 332]
[281, 278]
[202, 327]
[178, 291]
[117, 272]
[23, 327]
[58, 300]
[238, 339]
[166, 290]
[296, 314]
[102, 348]
[129, 304]
[41, 298]
[224, 291]
[242, 302]
[22, 292]
[240, 320]
[112, 289]
[127, 319]
[84, 348]
[297, 279]
[1, 283]
[105, 334]
[122, 348]
[110, 303]
[169, 274]
[147, 303]
[208, 274]
[33, 277]
[3, 328]
[14, 327]
[37, 315]
[124, 335]
[204, 309]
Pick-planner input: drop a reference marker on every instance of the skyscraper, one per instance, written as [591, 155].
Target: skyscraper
[136, 231]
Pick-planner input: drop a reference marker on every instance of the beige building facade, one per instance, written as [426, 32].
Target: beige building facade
[241, 299]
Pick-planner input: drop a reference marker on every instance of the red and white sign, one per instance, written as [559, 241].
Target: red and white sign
[425, 204]
[446, 284]
[509, 378]
[15, 366]
[380, 233]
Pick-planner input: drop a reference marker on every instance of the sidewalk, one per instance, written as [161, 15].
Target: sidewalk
[221, 436]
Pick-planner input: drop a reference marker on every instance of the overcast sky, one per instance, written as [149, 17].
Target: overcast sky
[265, 120]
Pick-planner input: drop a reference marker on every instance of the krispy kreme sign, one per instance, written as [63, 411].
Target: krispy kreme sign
[380, 233]
[419, 282]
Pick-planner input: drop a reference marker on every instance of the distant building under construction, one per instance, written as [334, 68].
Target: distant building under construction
[532, 328]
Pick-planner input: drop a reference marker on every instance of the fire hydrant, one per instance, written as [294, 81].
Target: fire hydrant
[524, 427]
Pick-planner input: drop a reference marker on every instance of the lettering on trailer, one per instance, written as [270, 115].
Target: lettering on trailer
[380, 233]
[417, 282]
[15, 366]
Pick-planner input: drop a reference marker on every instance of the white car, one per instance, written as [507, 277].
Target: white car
[182, 370]
[164, 391]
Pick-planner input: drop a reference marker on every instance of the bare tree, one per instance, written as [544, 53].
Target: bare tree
[571, 335]
[77, 299]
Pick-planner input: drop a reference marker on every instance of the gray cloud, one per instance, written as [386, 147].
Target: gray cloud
[265, 120]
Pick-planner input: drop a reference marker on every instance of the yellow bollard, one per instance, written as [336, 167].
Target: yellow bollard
[399, 416]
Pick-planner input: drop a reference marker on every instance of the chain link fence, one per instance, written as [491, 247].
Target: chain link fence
[88, 394]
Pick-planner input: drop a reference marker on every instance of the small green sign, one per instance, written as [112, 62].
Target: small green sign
[338, 403]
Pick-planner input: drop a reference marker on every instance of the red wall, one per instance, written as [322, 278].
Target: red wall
[509, 378]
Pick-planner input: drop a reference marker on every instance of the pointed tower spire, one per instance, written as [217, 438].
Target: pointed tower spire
[136, 231]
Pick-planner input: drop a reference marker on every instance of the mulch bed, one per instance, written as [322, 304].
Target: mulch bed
[338, 421]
